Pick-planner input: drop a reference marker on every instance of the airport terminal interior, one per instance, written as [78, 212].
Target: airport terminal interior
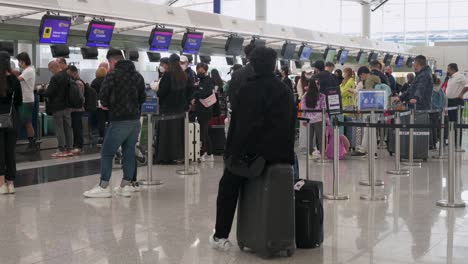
[391, 157]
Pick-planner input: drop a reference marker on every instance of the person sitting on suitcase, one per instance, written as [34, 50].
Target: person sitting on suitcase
[262, 128]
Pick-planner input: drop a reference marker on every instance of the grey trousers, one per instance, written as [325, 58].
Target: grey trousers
[63, 129]
[315, 129]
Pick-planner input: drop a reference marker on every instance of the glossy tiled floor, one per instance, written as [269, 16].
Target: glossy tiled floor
[170, 224]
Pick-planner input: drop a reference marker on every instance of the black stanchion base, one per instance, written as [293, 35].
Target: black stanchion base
[398, 172]
[377, 183]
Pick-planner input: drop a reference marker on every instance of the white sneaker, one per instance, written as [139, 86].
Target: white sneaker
[221, 244]
[136, 187]
[204, 158]
[210, 158]
[11, 188]
[125, 191]
[4, 189]
[98, 192]
[316, 154]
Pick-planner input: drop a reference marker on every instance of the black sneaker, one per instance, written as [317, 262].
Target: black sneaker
[358, 154]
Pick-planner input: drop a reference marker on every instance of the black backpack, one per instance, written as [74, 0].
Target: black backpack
[74, 99]
[91, 98]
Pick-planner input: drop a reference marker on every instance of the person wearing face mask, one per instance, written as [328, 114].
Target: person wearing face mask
[204, 114]
[163, 66]
[191, 78]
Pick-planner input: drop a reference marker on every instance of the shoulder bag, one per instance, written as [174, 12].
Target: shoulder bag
[6, 120]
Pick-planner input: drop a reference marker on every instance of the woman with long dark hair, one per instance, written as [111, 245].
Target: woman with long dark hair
[172, 100]
[218, 82]
[314, 100]
[11, 99]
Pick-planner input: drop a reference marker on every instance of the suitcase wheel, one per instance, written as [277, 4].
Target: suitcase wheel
[290, 252]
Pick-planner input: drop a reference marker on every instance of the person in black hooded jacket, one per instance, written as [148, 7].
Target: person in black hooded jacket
[204, 114]
[263, 124]
[122, 93]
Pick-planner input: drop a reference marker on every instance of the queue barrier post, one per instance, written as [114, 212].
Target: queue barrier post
[322, 159]
[451, 202]
[411, 162]
[188, 170]
[149, 169]
[308, 149]
[397, 170]
[442, 138]
[371, 150]
[458, 135]
[336, 195]
[372, 136]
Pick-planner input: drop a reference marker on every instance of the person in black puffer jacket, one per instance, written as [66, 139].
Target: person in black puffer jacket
[9, 86]
[204, 114]
[122, 93]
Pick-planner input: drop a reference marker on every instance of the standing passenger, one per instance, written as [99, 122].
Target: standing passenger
[11, 99]
[123, 93]
[172, 100]
[77, 113]
[28, 81]
[102, 114]
[204, 114]
[57, 94]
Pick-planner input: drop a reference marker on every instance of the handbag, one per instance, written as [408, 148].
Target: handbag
[209, 101]
[6, 120]
[248, 167]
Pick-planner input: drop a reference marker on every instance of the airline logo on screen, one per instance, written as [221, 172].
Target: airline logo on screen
[99, 32]
[161, 39]
[64, 25]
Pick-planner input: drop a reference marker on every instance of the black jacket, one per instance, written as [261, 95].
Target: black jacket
[190, 87]
[57, 92]
[263, 121]
[327, 80]
[172, 95]
[238, 79]
[14, 86]
[205, 89]
[383, 78]
[123, 92]
[96, 84]
[421, 89]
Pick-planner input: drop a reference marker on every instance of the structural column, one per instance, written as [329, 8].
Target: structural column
[366, 20]
[261, 10]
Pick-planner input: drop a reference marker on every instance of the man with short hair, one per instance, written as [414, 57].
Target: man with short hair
[327, 79]
[391, 80]
[329, 66]
[267, 133]
[28, 82]
[376, 69]
[123, 93]
[59, 108]
[420, 92]
[456, 89]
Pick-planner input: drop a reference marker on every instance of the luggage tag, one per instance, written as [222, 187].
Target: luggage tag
[298, 186]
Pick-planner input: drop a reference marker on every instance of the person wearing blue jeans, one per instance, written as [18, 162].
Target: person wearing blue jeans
[122, 94]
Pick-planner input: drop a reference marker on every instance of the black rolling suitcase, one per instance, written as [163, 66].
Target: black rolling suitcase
[421, 138]
[218, 138]
[265, 215]
[309, 213]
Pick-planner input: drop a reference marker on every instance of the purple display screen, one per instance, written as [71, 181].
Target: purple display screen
[192, 43]
[160, 40]
[54, 29]
[100, 34]
[400, 61]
